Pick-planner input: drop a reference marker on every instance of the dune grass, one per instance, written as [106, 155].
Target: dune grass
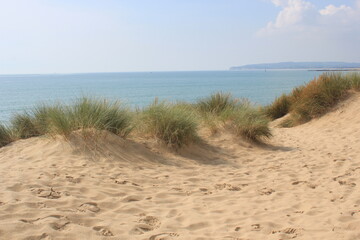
[320, 95]
[221, 109]
[314, 98]
[251, 123]
[354, 79]
[5, 135]
[23, 126]
[279, 108]
[83, 114]
[216, 103]
[174, 124]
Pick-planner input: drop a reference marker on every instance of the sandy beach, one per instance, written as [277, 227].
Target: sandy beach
[303, 184]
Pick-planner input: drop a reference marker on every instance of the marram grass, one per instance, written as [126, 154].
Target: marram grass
[175, 125]
[216, 103]
[250, 123]
[279, 108]
[5, 135]
[314, 98]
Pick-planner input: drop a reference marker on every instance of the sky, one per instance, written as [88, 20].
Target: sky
[67, 36]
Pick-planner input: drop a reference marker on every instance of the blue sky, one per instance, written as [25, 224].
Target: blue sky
[63, 36]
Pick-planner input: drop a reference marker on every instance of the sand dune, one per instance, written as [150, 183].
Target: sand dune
[304, 184]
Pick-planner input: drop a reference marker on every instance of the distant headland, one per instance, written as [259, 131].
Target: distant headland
[316, 66]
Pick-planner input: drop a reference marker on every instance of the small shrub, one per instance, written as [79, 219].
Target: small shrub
[279, 108]
[175, 125]
[5, 135]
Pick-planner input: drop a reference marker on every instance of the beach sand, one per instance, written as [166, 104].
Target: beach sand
[303, 184]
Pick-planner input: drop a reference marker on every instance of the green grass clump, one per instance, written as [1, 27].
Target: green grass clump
[23, 126]
[221, 109]
[175, 125]
[354, 79]
[84, 114]
[320, 95]
[314, 98]
[5, 135]
[251, 123]
[60, 120]
[216, 103]
[101, 115]
[279, 108]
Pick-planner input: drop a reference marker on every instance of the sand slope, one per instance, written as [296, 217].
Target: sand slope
[303, 185]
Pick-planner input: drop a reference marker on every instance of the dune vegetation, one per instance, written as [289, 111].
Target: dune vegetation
[174, 124]
[222, 110]
[314, 98]
[177, 124]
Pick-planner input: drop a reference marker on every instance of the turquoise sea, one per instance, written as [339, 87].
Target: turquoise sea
[20, 92]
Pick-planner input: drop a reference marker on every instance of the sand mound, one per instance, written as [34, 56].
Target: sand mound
[302, 185]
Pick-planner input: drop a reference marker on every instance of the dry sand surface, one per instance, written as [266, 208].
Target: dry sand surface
[303, 185]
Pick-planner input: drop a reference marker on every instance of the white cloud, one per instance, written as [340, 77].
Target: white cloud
[293, 12]
[332, 10]
[302, 15]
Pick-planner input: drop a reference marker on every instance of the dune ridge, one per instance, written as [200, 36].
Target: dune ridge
[302, 184]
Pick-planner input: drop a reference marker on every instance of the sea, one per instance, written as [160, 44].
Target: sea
[138, 89]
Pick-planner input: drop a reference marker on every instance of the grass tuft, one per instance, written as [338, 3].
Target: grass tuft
[175, 125]
[314, 98]
[354, 79]
[101, 115]
[216, 103]
[251, 124]
[279, 108]
[320, 95]
[23, 126]
[5, 135]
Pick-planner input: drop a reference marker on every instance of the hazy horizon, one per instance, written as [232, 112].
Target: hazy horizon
[64, 37]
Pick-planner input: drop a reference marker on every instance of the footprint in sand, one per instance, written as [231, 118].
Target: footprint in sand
[50, 193]
[164, 236]
[60, 225]
[140, 229]
[266, 191]
[103, 231]
[227, 187]
[152, 221]
[56, 222]
[255, 227]
[126, 182]
[72, 179]
[298, 182]
[90, 206]
[132, 199]
[43, 236]
[289, 231]
[146, 224]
